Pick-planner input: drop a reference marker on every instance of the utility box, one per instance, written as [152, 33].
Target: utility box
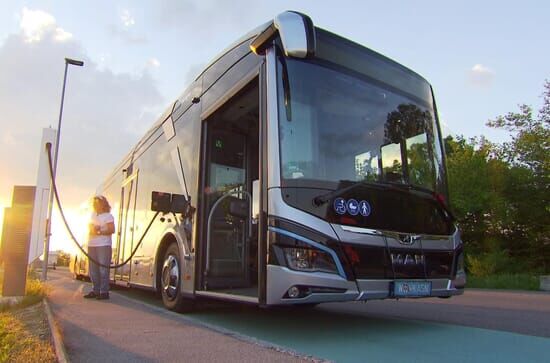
[16, 235]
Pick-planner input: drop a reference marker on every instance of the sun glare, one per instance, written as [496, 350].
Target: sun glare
[2, 206]
[78, 219]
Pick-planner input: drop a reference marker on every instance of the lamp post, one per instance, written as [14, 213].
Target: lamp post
[50, 202]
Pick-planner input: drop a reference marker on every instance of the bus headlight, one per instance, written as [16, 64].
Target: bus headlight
[309, 260]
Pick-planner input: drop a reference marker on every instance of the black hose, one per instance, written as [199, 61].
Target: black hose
[56, 195]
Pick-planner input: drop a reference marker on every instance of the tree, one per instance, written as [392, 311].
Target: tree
[530, 145]
[500, 192]
[528, 187]
[63, 259]
[476, 190]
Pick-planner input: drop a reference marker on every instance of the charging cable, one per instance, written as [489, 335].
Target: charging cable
[56, 195]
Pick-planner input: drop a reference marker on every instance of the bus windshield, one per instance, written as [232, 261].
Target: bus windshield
[335, 124]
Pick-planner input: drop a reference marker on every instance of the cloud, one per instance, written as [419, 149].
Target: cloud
[190, 15]
[62, 35]
[105, 113]
[192, 72]
[126, 35]
[35, 24]
[481, 76]
[153, 63]
[8, 139]
[124, 30]
[127, 19]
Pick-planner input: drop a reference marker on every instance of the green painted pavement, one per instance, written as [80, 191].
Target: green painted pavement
[342, 337]
[351, 338]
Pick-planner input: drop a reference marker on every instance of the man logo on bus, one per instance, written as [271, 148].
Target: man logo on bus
[407, 259]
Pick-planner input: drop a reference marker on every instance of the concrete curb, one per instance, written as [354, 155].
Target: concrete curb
[57, 338]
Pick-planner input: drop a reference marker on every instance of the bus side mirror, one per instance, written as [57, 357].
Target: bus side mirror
[296, 31]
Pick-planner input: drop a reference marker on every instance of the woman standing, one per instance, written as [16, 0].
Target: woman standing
[100, 229]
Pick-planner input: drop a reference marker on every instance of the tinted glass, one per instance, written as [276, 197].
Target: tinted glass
[337, 126]
[355, 57]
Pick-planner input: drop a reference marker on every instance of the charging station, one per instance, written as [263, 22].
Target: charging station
[24, 225]
[16, 234]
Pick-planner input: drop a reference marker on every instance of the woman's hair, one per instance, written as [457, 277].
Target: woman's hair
[104, 206]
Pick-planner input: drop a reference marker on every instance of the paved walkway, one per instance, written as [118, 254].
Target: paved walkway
[122, 330]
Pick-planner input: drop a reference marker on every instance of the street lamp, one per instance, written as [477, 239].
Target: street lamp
[78, 63]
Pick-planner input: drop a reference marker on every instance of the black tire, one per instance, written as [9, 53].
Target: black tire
[170, 281]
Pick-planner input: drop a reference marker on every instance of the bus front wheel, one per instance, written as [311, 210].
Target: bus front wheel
[170, 281]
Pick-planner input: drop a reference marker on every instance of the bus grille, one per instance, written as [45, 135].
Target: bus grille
[373, 262]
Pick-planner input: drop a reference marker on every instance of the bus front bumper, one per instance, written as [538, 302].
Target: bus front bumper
[325, 287]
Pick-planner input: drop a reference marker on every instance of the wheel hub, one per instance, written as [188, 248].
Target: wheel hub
[170, 277]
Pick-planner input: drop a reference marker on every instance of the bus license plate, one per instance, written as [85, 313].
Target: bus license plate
[412, 288]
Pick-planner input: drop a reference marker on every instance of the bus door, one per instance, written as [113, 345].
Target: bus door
[126, 236]
[230, 167]
[226, 231]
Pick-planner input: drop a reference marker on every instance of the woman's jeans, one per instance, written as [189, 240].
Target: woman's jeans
[100, 274]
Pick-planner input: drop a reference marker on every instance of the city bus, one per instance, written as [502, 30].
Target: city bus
[298, 168]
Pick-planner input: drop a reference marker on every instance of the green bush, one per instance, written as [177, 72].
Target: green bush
[490, 263]
[505, 281]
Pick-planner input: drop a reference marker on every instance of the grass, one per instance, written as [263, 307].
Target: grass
[24, 331]
[35, 292]
[24, 336]
[505, 281]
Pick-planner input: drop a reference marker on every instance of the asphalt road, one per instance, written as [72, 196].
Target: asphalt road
[479, 326]
[513, 311]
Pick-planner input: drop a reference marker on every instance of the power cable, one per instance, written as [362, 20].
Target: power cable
[56, 195]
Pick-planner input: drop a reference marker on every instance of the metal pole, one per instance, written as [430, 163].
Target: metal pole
[50, 202]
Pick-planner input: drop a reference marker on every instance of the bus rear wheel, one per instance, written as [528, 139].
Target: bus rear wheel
[170, 281]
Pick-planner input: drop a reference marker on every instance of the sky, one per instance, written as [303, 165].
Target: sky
[483, 58]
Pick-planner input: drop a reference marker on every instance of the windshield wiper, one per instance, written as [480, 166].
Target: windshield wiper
[286, 88]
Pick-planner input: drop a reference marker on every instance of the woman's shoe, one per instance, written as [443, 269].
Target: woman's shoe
[103, 296]
[91, 295]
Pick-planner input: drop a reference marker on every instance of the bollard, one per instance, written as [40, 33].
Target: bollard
[544, 283]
